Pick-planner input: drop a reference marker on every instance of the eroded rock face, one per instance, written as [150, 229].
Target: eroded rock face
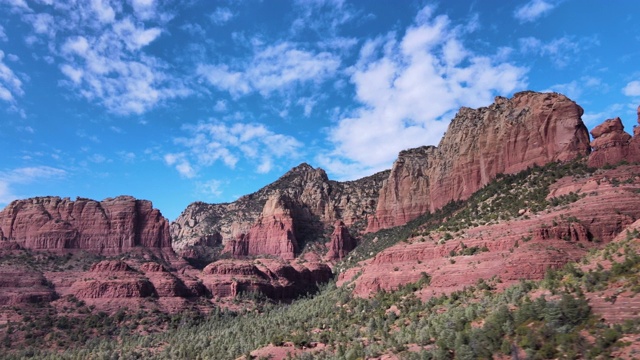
[341, 242]
[308, 204]
[521, 248]
[111, 226]
[274, 278]
[20, 285]
[611, 144]
[272, 234]
[405, 194]
[505, 137]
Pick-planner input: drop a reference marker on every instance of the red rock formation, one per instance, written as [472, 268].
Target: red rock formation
[20, 285]
[276, 279]
[405, 194]
[522, 248]
[610, 143]
[111, 226]
[272, 234]
[505, 137]
[341, 242]
[313, 202]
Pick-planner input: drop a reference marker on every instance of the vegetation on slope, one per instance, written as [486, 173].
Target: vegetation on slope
[501, 199]
[546, 319]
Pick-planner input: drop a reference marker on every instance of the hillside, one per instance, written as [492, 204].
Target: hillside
[583, 305]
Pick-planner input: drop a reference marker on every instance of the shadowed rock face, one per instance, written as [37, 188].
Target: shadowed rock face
[277, 279]
[505, 137]
[109, 227]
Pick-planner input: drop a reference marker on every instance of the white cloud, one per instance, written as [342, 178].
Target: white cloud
[144, 9]
[632, 88]
[127, 157]
[409, 90]
[10, 84]
[101, 45]
[220, 106]
[181, 164]
[274, 68]
[25, 175]
[324, 17]
[533, 10]
[43, 24]
[221, 16]
[592, 119]
[213, 142]
[97, 158]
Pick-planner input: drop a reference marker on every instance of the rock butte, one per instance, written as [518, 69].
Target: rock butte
[108, 227]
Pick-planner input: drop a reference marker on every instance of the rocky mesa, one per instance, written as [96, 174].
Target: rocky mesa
[108, 227]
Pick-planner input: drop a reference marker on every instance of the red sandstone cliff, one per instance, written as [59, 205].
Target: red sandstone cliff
[505, 137]
[111, 226]
[611, 144]
[341, 242]
[272, 234]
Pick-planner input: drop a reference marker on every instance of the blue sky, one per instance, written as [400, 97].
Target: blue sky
[178, 101]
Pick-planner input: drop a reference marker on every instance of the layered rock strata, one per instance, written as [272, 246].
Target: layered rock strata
[520, 248]
[273, 278]
[505, 137]
[109, 227]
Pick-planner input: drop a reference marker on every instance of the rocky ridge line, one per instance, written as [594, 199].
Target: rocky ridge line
[508, 136]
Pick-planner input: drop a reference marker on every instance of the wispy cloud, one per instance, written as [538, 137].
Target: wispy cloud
[209, 189]
[562, 51]
[533, 10]
[25, 175]
[409, 90]
[213, 142]
[324, 17]
[3, 34]
[100, 49]
[10, 84]
[221, 16]
[273, 68]
[576, 88]
[592, 119]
